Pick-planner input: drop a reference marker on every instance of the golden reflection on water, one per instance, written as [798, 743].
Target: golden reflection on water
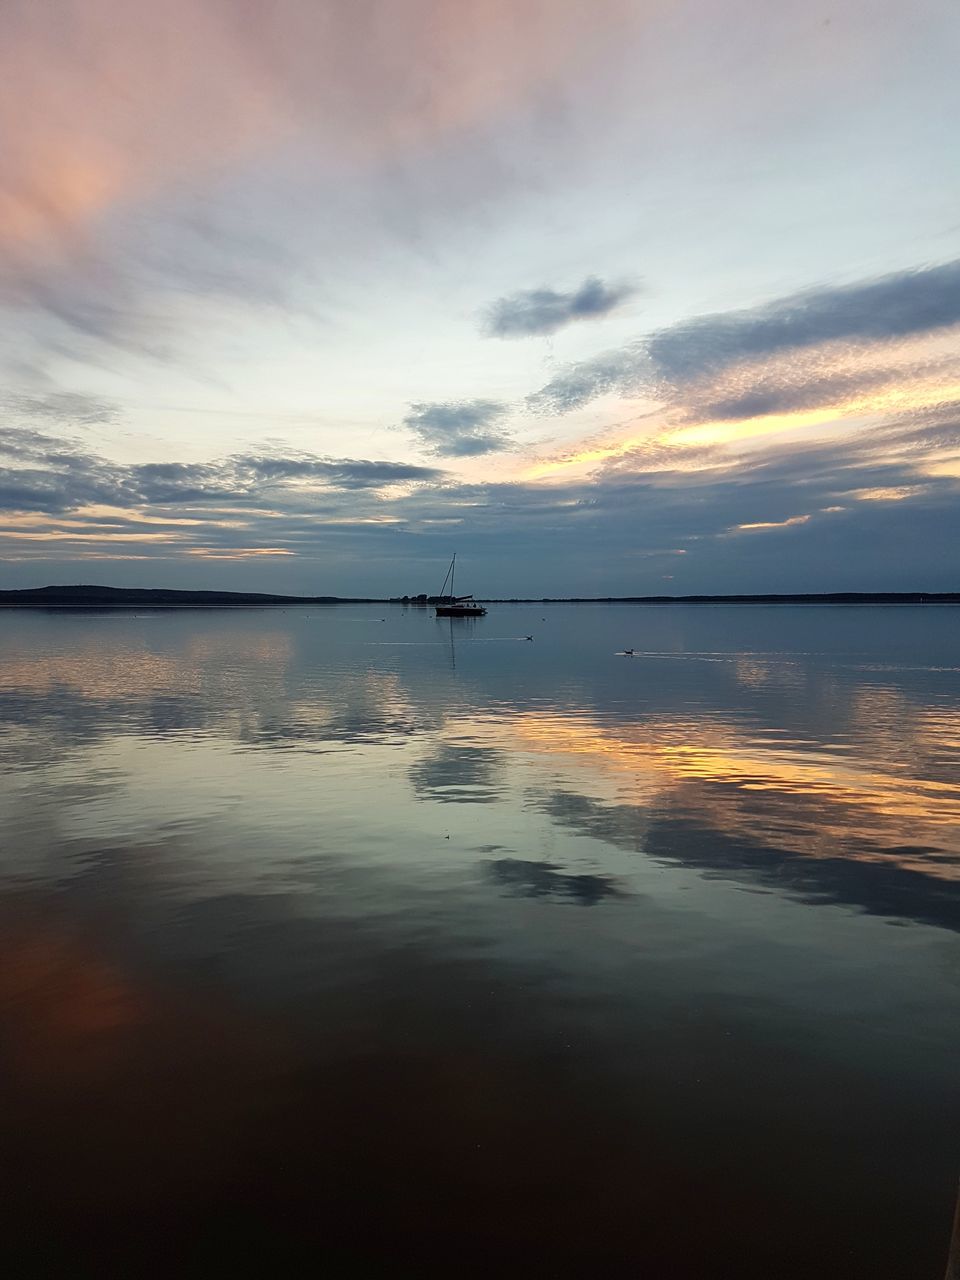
[756, 673]
[883, 789]
[87, 674]
[809, 802]
[253, 944]
[97, 667]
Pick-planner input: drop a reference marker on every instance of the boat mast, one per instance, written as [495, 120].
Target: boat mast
[453, 570]
[447, 577]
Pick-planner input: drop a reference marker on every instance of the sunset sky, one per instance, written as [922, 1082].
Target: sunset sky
[624, 297]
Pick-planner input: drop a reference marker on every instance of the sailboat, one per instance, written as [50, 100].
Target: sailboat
[452, 606]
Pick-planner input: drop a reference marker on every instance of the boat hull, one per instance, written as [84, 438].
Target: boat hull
[460, 611]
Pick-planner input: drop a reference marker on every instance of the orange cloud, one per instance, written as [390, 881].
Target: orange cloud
[719, 433]
[773, 524]
[237, 553]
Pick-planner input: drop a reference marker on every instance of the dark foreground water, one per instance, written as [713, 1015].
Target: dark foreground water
[354, 942]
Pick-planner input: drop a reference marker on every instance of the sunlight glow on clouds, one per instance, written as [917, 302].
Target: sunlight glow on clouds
[773, 524]
[317, 291]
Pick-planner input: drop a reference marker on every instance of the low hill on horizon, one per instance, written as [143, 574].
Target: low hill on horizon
[92, 597]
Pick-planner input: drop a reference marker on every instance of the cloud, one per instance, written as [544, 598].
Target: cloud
[56, 477]
[25, 442]
[895, 306]
[65, 408]
[874, 377]
[540, 311]
[877, 518]
[342, 473]
[803, 350]
[460, 429]
[144, 171]
[783, 391]
[877, 515]
[625, 371]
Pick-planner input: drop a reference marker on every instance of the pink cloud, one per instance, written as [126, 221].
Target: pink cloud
[104, 102]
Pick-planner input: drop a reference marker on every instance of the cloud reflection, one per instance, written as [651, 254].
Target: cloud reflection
[531, 879]
[855, 817]
[459, 774]
[816, 804]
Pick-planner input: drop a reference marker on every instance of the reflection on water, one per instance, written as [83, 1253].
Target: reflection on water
[419, 948]
[537, 879]
[458, 774]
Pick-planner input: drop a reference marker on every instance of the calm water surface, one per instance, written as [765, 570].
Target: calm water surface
[353, 941]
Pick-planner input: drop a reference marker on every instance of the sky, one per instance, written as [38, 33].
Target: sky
[628, 297]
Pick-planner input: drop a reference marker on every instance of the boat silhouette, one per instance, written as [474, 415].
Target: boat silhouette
[454, 606]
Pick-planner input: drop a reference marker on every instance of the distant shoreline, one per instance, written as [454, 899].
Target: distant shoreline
[827, 597]
[94, 597]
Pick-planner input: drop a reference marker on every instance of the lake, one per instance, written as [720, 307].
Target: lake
[356, 941]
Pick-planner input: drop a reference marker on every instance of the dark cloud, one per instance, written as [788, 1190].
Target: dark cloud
[876, 519]
[460, 429]
[896, 306]
[626, 372]
[55, 478]
[345, 473]
[53, 475]
[540, 311]
[25, 442]
[683, 364]
[862, 497]
[65, 408]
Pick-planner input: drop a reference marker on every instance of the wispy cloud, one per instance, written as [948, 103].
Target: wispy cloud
[339, 473]
[818, 347]
[543, 311]
[60, 408]
[119, 185]
[626, 371]
[49, 475]
[460, 429]
[896, 306]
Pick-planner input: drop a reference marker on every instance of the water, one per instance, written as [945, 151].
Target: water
[358, 940]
